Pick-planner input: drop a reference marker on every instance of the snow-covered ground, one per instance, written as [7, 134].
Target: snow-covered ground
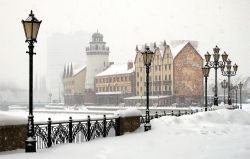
[204, 135]
[21, 117]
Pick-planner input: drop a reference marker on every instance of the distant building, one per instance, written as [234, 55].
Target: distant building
[188, 77]
[74, 88]
[97, 61]
[114, 84]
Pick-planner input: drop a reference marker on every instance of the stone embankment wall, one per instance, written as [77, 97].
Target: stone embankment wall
[12, 137]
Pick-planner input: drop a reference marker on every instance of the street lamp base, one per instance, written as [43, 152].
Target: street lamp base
[147, 127]
[216, 101]
[30, 145]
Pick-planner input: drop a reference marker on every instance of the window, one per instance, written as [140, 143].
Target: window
[159, 78]
[170, 66]
[167, 55]
[169, 77]
[140, 69]
[155, 78]
[165, 77]
[126, 78]
[159, 68]
[137, 74]
[117, 79]
[114, 79]
[140, 78]
[155, 68]
[121, 79]
[138, 84]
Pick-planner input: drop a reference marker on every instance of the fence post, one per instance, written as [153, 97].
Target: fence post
[117, 126]
[70, 130]
[104, 126]
[179, 113]
[49, 142]
[156, 115]
[164, 113]
[185, 112]
[88, 128]
[172, 113]
[191, 111]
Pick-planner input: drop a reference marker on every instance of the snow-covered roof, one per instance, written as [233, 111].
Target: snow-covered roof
[175, 50]
[108, 93]
[116, 69]
[175, 46]
[76, 71]
[144, 97]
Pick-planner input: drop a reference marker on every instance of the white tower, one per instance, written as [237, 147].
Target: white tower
[97, 59]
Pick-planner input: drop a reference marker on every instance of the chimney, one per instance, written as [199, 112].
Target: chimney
[130, 65]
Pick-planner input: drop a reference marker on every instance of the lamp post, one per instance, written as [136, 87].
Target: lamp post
[240, 86]
[31, 26]
[148, 56]
[228, 72]
[216, 64]
[205, 71]
[236, 95]
[224, 86]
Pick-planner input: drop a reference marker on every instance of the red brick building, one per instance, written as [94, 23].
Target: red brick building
[188, 77]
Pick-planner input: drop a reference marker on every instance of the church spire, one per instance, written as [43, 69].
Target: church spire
[136, 48]
[164, 43]
[71, 70]
[64, 72]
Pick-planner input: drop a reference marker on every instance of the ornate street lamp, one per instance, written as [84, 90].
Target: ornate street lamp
[205, 71]
[216, 64]
[224, 86]
[31, 26]
[148, 56]
[228, 72]
[240, 86]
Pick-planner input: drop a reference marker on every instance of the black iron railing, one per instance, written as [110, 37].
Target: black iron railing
[77, 131]
[171, 113]
[74, 131]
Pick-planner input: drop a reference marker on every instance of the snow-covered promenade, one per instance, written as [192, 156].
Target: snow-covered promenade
[205, 135]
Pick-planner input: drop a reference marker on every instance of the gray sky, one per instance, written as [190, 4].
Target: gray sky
[124, 24]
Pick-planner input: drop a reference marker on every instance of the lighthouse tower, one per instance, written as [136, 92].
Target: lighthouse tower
[97, 59]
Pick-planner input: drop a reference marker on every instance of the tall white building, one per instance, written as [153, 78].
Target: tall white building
[97, 59]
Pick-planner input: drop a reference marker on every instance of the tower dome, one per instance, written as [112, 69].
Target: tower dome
[97, 37]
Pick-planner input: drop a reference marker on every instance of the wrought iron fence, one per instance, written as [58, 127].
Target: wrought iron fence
[74, 131]
[77, 131]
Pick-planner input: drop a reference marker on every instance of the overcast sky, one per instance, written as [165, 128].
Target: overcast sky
[124, 24]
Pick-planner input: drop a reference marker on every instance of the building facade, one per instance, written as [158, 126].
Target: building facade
[74, 88]
[160, 76]
[114, 84]
[188, 77]
[175, 74]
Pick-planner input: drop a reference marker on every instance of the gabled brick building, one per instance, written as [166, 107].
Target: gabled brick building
[188, 77]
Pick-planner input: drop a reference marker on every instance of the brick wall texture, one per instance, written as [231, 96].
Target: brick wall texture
[188, 77]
